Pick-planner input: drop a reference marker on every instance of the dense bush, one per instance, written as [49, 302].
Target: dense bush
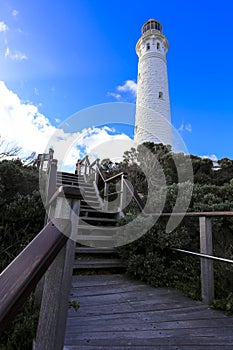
[149, 257]
[21, 219]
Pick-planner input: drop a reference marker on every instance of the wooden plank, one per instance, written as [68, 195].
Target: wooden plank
[86, 250]
[97, 263]
[132, 324]
[120, 287]
[139, 333]
[117, 312]
[162, 311]
[57, 285]
[95, 229]
[93, 239]
[22, 275]
[86, 218]
[120, 340]
[136, 296]
[207, 268]
[145, 347]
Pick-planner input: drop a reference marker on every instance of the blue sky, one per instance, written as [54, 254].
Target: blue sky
[57, 58]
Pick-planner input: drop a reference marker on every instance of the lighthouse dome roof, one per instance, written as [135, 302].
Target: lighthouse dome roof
[151, 24]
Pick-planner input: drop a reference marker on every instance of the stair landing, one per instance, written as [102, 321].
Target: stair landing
[117, 312]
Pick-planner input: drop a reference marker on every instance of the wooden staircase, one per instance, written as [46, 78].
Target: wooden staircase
[115, 312]
[96, 228]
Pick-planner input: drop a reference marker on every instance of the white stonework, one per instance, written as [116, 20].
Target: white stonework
[153, 121]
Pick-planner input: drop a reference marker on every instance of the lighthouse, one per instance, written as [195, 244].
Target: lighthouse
[152, 120]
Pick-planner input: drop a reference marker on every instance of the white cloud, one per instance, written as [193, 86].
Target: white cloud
[15, 56]
[213, 157]
[185, 127]
[96, 142]
[22, 123]
[128, 86]
[3, 27]
[15, 13]
[36, 91]
[115, 95]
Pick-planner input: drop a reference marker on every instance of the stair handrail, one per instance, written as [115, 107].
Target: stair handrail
[51, 248]
[21, 276]
[95, 168]
[134, 194]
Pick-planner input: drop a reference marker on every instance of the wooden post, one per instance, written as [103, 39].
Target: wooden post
[207, 270]
[49, 191]
[52, 180]
[122, 194]
[97, 172]
[106, 187]
[57, 285]
[85, 168]
[42, 162]
[20, 277]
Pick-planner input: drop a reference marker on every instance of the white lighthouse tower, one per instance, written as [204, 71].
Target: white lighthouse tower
[153, 121]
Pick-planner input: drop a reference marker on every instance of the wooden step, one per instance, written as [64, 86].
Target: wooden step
[91, 212]
[96, 229]
[86, 207]
[91, 201]
[87, 250]
[65, 174]
[74, 183]
[98, 264]
[94, 238]
[96, 219]
[90, 192]
[91, 197]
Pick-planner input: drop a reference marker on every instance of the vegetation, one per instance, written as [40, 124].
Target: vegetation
[21, 218]
[149, 258]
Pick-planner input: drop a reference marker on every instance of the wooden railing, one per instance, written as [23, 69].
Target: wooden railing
[206, 249]
[44, 159]
[21, 276]
[94, 171]
[51, 255]
[53, 249]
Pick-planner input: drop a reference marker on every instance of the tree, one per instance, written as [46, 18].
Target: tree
[8, 149]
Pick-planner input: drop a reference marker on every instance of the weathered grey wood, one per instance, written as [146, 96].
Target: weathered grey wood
[57, 284]
[21, 276]
[50, 308]
[148, 347]
[52, 178]
[98, 263]
[207, 270]
[106, 189]
[86, 250]
[96, 171]
[120, 313]
[97, 194]
[122, 195]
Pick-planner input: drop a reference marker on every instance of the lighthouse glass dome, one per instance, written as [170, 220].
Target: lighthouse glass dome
[152, 24]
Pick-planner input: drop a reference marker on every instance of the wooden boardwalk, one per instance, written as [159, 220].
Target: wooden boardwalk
[117, 312]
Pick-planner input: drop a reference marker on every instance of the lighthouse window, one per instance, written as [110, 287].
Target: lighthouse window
[148, 46]
[160, 94]
[158, 46]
